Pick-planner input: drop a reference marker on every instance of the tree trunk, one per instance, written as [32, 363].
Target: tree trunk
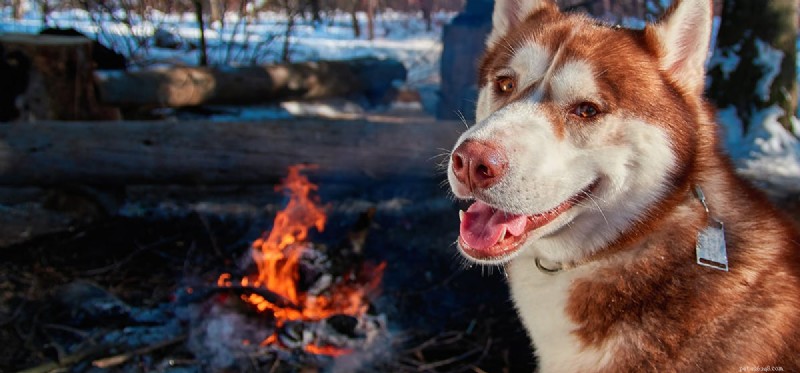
[354, 19]
[123, 153]
[371, 5]
[198, 12]
[427, 10]
[16, 9]
[315, 11]
[192, 86]
[287, 36]
[213, 10]
[753, 67]
[60, 83]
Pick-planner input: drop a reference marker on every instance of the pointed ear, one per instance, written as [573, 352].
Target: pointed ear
[682, 36]
[509, 13]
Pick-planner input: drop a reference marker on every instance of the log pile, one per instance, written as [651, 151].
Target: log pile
[193, 86]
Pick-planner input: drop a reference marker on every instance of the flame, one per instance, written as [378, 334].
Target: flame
[277, 255]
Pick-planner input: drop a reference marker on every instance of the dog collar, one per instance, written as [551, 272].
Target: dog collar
[710, 249]
[546, 269]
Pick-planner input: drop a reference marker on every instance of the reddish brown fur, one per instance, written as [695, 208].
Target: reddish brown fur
[666, 313]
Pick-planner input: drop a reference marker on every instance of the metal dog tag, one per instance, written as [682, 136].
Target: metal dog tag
[710, 249]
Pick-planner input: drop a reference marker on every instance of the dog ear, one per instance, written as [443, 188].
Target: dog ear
[682, 36]
[509, 13]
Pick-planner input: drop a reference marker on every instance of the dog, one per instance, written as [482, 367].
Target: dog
[600, 186]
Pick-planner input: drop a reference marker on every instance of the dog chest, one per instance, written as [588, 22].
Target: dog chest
[541, 301]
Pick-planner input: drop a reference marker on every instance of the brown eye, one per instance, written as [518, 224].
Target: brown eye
[585, 110]
[505, 84]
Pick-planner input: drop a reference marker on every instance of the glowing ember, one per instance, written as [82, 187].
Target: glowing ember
[277, 255]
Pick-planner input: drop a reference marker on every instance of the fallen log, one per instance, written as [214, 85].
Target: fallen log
[192, 86]
[126, 153]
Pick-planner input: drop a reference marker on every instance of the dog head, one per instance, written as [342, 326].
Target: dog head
[582, 128]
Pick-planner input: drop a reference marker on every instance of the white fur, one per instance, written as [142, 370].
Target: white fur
[530, 64]
[685, 34]
[541, 300]
[509, 13]
[484, 106]
[630, 157]
[575, 82]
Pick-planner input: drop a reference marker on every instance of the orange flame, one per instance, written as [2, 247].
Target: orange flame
[277, 257]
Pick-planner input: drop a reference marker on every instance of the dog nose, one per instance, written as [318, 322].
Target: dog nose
[478, 165]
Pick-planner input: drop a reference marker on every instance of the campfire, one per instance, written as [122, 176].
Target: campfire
[143, 291]
[296, 281]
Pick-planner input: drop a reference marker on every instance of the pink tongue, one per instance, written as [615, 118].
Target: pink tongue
[482, 225]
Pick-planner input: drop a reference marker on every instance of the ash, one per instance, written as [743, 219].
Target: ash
[228, 333]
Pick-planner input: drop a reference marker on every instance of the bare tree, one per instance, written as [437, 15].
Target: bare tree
[371, 5]
[16, 9]
[427, 10]
[198, 12]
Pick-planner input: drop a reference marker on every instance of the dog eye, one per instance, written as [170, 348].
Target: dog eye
[504, 84]
[585, 110]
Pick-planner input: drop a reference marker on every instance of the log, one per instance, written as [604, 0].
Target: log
[59, 84]
[192, 86]
[126, 153]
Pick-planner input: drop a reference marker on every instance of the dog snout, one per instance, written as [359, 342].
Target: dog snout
[479, 165]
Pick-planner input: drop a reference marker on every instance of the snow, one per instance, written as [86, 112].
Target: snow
[775, 161]
[727, 59]
[255, 40]
[770, 60]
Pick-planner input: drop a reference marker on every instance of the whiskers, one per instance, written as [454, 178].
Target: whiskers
[441, 159]
[463, 118]
[594, 205]
[465, 264]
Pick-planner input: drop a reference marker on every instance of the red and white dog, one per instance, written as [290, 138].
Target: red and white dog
[591, 147]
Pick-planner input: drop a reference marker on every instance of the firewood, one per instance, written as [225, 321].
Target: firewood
[192, 86]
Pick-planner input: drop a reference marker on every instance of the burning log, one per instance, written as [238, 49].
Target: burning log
[122, 153]
[280, 257]
[192, 86]
[225, 285]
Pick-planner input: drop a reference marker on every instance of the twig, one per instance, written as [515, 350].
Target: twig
[140, 249]
[270, 296]
[211, 236]
[451, 360]
[116, 360]
[67, 361]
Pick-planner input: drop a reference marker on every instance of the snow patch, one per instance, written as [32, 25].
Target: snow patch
[774, 156]
[727, 59]
[769, 59]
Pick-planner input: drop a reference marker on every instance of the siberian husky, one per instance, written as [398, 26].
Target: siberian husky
[599, 185]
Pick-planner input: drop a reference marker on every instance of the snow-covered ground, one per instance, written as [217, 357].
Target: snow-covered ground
[257, 39]
[769, 153]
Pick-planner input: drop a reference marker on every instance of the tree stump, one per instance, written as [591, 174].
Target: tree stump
[60, 82]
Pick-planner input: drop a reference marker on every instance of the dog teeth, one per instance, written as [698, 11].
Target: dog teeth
[502, 235]
[461, 214]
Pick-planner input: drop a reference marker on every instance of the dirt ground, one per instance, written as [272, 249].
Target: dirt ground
[443, 317]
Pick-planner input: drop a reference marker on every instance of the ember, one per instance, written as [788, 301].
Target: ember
[278, 255]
